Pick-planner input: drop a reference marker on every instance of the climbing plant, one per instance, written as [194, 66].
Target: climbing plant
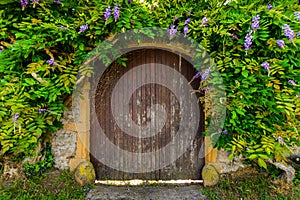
[254, 44]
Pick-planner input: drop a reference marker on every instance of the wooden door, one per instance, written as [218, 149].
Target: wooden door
[187, 166]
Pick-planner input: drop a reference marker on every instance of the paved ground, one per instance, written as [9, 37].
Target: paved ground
[190, 192]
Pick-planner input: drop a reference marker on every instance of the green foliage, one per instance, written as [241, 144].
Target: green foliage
[263, 109]
[41, 165]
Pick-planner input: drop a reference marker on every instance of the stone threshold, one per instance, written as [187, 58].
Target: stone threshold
[137, 182]
[183, 192]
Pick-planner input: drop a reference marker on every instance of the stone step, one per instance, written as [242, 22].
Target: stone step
[188, 192]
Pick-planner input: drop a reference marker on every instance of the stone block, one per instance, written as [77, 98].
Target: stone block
[85, 173]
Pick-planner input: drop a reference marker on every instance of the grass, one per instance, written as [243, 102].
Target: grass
[244, 184]
[251, 184]
[51, 185]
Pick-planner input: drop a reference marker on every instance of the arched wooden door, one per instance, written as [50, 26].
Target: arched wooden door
[189, 165]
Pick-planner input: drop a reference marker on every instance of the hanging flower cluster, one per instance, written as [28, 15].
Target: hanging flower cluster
[248, 40]
[23, 3]
[255, 22]
[280, 43]
[288, 32]
[108, 11]
[116, 12]
[173, 28]
[83, 28]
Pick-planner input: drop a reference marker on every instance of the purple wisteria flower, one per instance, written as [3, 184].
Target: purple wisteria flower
[234, 36]
[15, 117]
[129, 1]
[292, 82]
[205, 74]
[197, 75]
[50, 61]
[172, 30]
[57, 2]
[107, 13]
[280, 140]
[187, 21]
[255, 22]
[185, 30]
[288, 32]
[116, 12]
[205, 89]
[83, 28]
[23, 3]
[41, 110]
[297, 14]
[225, 132]
[270, 6]
[63, 27]
[266, 65]
[280, 43]
[204, 21]
[248, 40]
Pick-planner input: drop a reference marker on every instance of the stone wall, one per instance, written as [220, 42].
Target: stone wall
[64, 142]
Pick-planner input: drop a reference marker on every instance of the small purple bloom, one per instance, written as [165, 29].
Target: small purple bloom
[247, 149]
[255, 22]
[270, 6]
[63, 27]
[129, 1]
[1, 49]
[225, 132]
[266, 66]
[107, 13]
[292, 82]
[83, 28]
[41, 110]
[248, 40]
[234, 36]
[187, 21]
[288, 32]
[280, 140]
[205, 74]
[297, 14]
[204, 21]
[298, 34]
[57, 2]
[185, 30]
[23, 3]
[197, 75]
[50, 61]
[205, 89]
[172, 30]
[280, 43]
[15, 117]
[116, 12]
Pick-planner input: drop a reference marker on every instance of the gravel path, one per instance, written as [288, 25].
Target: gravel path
[190, 192]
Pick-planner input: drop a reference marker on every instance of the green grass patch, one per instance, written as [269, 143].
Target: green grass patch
[251, 184]
[51, 185]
